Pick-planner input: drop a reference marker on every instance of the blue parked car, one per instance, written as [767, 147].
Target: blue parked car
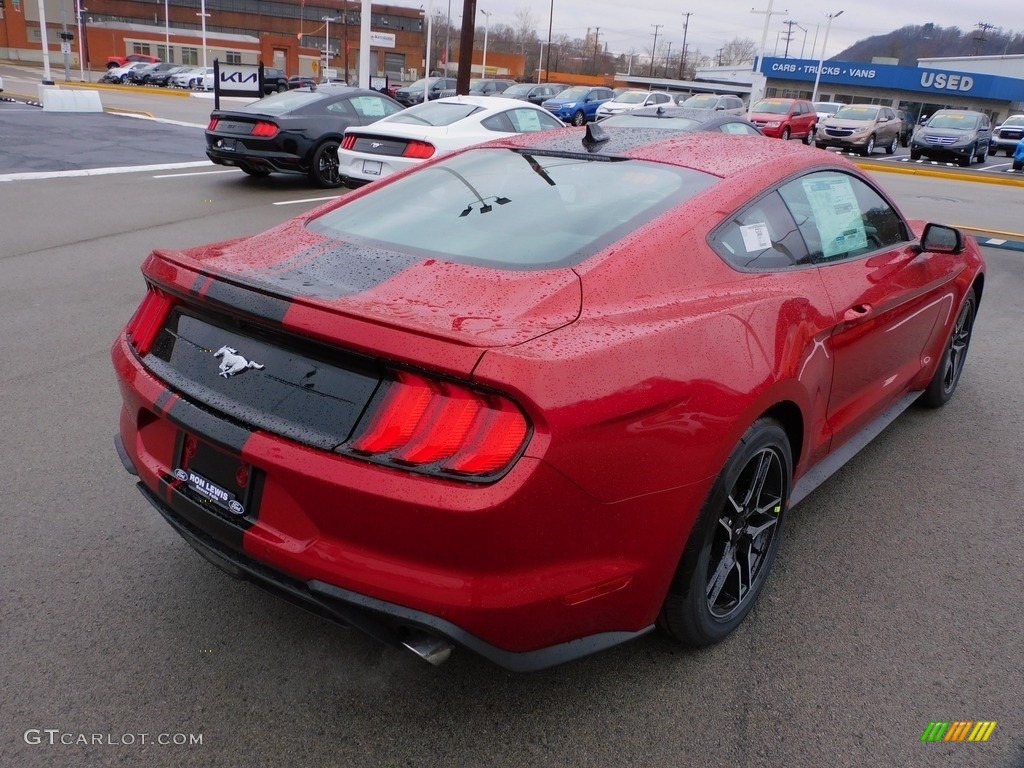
[578, 104]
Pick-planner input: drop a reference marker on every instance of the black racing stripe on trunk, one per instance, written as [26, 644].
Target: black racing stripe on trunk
[238, 299]
[208, 426]
[340, 270]
[199, 283]
[162, 400]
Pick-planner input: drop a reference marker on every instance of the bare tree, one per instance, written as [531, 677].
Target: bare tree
[739, 51]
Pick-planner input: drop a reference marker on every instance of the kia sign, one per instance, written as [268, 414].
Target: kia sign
[244, 80]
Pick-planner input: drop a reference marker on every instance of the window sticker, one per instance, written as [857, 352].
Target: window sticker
[368, 106]
[526, 120]
[756, 237]
[836, 214]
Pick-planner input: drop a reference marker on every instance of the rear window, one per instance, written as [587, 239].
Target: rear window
[513, 209]
[286, 101]
[434, 113]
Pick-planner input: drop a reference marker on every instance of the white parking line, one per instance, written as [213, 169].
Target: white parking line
[197, 173]
[308, 200]
[99, 171]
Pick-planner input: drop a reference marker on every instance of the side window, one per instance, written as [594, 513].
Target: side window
[762, 236]
[740, 129]
[340, 108]
[500, 123]
[841, 217]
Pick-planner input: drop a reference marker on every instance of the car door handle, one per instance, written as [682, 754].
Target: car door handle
[857, 313]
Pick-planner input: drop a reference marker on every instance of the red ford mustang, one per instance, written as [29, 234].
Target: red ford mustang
[536, 397]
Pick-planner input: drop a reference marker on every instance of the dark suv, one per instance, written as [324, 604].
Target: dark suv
[413, 94]
[274, 80]
[962, 135]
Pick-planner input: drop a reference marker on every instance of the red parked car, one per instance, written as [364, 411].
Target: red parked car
[785, 118]
[535, 397]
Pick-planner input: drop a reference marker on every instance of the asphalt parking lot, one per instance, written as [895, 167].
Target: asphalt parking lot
[894, 602]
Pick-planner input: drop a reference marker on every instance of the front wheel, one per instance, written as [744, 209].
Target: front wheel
[947, 376]
[785, 134]
[869, 147]
[966, 161]
[324, 168]
[733, 544]
[579, 118]
[891, 149]
[915, 154]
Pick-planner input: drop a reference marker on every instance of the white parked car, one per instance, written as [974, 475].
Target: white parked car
[627, 101]
[422, 131]
[190, 77]
[119, 75]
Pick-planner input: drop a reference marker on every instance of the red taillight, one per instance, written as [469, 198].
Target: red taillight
[213, 124]
[444, 427]
[264, 130]
[349, 142]
[419, 150]
[148, 320]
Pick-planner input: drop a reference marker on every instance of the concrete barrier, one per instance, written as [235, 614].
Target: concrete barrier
[55, 99]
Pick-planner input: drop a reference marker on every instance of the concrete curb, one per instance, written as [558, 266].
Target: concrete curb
[867, 165]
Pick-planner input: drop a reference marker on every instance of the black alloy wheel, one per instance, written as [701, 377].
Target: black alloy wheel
[734, 542]
[324, 170]
[951, 367]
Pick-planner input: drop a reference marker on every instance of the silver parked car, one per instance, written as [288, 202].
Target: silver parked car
[726, 102]
[962, 135]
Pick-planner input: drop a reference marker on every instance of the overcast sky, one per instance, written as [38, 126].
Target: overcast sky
[627, 25]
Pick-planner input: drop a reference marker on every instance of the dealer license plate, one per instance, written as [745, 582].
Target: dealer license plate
[371, 167]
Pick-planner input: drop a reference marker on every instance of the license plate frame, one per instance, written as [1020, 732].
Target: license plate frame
[210, 476]
[372, 167]
[229, 145]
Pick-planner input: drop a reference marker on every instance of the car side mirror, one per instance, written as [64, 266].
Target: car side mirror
[938, 238]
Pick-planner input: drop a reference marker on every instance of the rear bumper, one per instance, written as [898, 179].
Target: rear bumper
[529, 571]
[386, 622]
[271, 162]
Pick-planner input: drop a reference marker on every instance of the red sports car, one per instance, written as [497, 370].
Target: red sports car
[538, 396]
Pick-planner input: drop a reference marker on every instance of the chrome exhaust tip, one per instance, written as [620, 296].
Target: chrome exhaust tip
[430, 648]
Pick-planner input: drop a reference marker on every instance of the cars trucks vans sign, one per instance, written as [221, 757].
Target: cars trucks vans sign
[895, 77]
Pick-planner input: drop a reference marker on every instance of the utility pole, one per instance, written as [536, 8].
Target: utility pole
[682, 59]
[668, 58]
[979, 39]
[654, 50]
[789, 36]
[593, 60]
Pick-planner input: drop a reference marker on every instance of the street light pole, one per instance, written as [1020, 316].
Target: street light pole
[167, 32]
[487, 26]
[547, 63]
[821, 61]
[81, 53]
[448, 40]
[47, 80]
[327, 45]
[203, 14]
[540, 58]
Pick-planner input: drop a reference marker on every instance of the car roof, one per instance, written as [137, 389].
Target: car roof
[718, 154]
[489, 102]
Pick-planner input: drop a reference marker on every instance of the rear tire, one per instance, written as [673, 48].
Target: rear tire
[947, 375]
[323, 169]
[734, 541]
[809, 137]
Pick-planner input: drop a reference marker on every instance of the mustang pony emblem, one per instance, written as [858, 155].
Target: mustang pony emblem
[233, 362]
